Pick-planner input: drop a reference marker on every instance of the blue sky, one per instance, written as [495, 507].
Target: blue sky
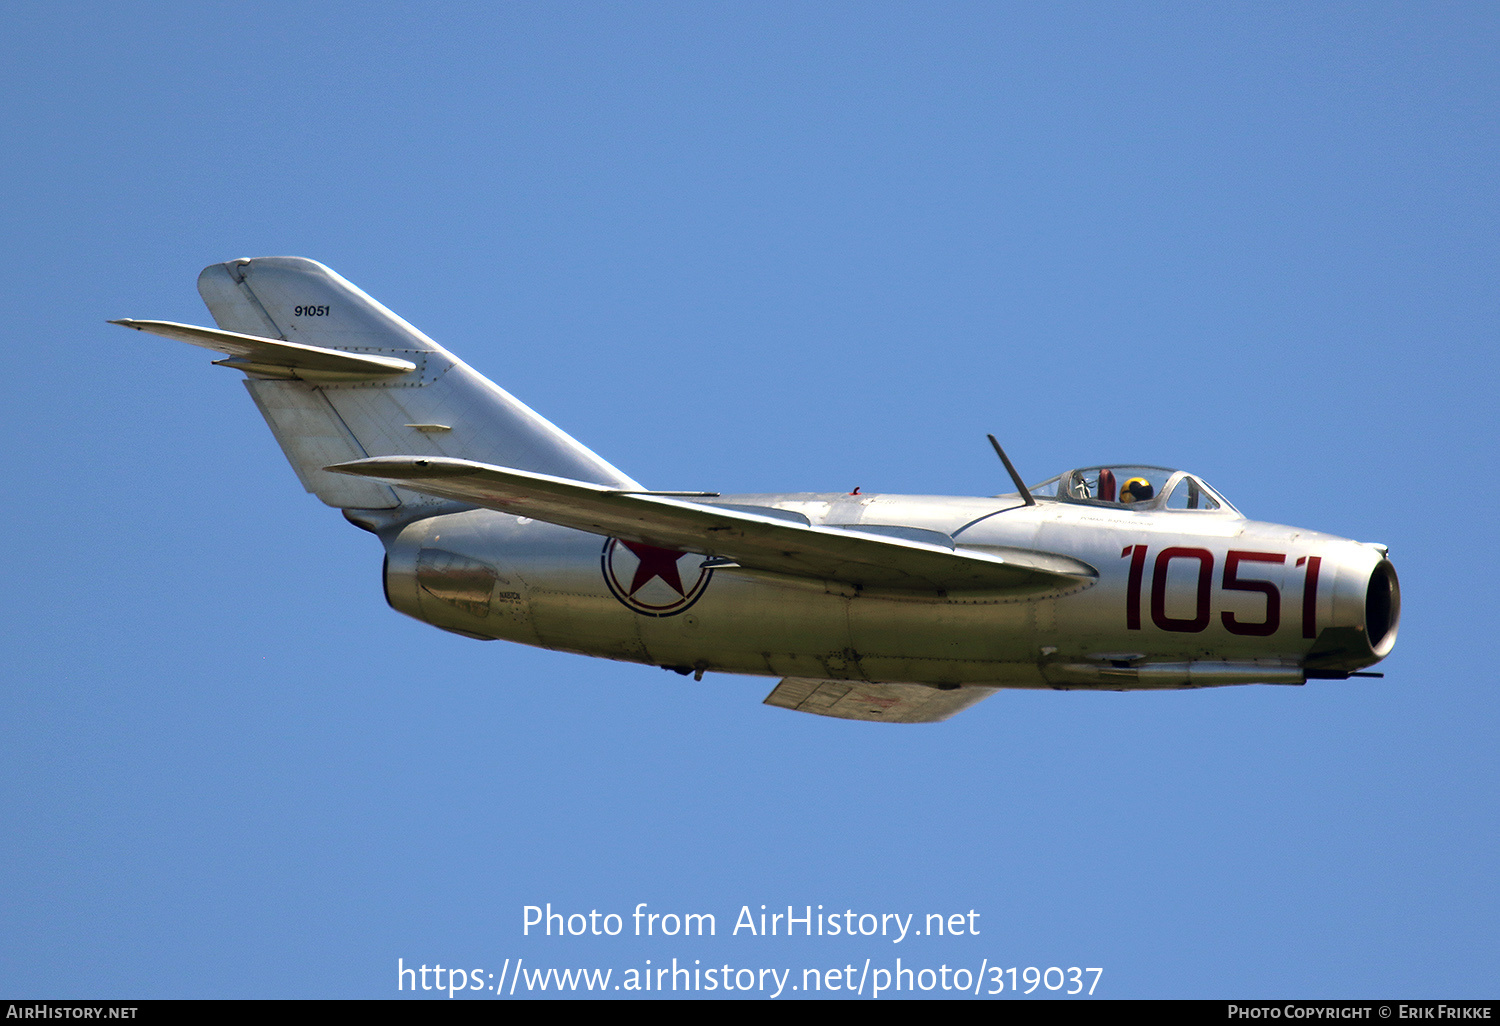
[748, 247]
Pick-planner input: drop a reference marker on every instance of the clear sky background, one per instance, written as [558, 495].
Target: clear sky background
[748, 247]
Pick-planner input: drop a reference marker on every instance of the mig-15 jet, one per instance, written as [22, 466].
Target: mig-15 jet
[901, 608]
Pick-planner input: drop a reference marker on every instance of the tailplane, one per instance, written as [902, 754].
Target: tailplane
[438, 407]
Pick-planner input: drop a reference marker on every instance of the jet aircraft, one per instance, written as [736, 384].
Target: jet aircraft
[895, 608]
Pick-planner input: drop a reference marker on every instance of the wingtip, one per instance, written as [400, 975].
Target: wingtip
[125, 322]
[391, 466]
[359, 468]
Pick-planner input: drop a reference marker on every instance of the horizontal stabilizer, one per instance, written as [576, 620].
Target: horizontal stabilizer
[752, 541]
[883, 703]
[274, 358]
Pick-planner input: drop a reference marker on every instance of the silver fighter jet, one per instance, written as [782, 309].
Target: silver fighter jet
[900, 608]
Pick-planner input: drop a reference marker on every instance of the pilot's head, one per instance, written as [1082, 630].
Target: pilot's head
[1137, 489]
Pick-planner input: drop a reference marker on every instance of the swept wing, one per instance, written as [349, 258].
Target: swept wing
[733, 538]
[882, 703]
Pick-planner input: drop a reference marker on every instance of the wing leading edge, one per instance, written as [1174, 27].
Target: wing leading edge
[736, 539]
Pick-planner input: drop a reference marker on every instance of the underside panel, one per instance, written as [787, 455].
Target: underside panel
[884, 703]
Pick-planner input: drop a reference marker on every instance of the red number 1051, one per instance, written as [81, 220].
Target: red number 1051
[1235, 561]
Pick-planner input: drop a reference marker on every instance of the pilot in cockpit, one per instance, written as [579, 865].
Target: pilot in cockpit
[1137, 489]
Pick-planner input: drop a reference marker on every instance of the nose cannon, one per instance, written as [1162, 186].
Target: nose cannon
[1366, 610]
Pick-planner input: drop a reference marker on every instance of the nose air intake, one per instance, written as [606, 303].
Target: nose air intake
[1382, 608]
[1367, 609]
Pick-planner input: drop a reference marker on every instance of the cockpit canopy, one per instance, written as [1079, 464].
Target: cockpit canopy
[1134, 487]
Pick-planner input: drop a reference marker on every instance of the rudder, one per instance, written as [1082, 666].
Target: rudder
[442, 408]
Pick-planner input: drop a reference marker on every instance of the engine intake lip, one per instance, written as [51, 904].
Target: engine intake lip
[1382, 608]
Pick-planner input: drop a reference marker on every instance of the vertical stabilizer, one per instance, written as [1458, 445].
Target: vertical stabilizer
[442, 408]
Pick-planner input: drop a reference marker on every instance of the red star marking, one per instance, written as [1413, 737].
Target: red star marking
[655, 562]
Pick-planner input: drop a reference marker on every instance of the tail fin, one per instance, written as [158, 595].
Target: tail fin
[442, 408]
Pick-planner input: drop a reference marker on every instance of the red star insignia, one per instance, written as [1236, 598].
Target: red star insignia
[655, 562]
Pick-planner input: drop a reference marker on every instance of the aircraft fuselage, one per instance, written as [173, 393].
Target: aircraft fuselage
[1182, 598]
[892, 608]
